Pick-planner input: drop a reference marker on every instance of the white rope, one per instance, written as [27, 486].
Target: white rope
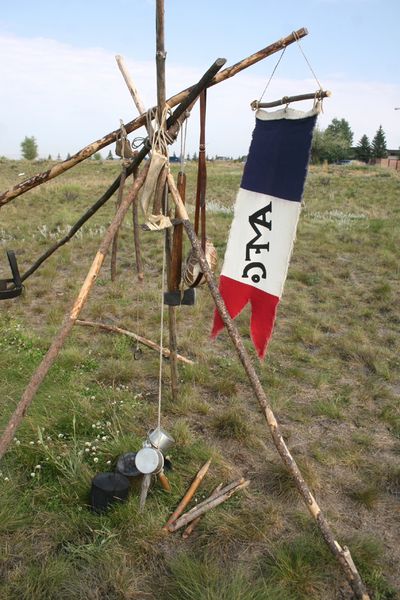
[273, 73]
[162, 321]
[296, 37]
[183, 145]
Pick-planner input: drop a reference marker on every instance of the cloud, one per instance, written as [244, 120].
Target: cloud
[67, 97]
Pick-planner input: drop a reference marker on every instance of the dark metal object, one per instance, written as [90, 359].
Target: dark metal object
[11, 288]
[108, 488]
[187, 298]
[126, 465]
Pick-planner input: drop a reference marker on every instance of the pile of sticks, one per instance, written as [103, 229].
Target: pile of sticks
[191, 518]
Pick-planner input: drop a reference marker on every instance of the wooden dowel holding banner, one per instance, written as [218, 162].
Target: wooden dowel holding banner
[109, 138]
[70, 317]
[342, 554]
[319, 95]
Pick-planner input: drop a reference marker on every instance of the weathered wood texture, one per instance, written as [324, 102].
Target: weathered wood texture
[109, 138]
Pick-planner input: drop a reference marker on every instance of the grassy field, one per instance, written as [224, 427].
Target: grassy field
[331, 373]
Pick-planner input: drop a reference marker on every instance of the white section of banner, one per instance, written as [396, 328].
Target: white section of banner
[261, 220]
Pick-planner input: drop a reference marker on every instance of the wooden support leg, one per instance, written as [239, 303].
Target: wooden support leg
[69, 319]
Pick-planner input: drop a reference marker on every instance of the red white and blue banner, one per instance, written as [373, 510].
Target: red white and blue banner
[265, 219]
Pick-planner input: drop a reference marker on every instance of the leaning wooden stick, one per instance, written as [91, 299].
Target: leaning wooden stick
[189, 494]
[135, 336]
[114, 249]
[70, 318]
[212, 503]
[109, 138]
[190, 528]
[130, 84]
[341, 554]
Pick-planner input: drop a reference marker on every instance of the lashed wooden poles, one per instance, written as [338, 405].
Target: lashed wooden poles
[134, 336]
[109, 138]
[70, 318]
[173, 124]
[341, 554]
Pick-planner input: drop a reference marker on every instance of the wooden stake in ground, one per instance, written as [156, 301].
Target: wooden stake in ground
[341, 554]
[110, 138]
[70, 318]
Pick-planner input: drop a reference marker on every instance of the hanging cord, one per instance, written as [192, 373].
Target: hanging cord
[296, 37]
[273, 73]
[183, 145]
[255, 104]
[162, 321]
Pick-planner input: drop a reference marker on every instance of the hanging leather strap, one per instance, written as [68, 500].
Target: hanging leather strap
[200, 214]
[177, 241]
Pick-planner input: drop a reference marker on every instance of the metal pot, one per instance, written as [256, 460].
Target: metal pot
[160, 439]
[149, 460]
[108, 488]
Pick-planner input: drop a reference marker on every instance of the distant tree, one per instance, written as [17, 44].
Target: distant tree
[68, 156]
[49, 157]
[363, 149]
[110, 156]
[97, 156]
[340, 128]
[29, 148]
[379, 149]
[329, 146]
[194, 157]
[58, 156]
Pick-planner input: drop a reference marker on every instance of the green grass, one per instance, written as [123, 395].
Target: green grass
[331, 374]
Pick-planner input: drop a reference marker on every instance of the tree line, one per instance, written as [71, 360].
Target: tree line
[335, 143]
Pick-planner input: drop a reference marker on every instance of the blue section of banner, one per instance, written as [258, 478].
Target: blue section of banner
[278, 157]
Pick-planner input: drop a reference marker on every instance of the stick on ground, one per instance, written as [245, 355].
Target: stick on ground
[135, 336]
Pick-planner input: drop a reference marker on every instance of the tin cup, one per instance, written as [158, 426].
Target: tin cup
[149, 460]
[160, 439]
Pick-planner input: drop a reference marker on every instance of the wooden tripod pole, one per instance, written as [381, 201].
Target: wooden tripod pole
[341, 554]
[70, 318]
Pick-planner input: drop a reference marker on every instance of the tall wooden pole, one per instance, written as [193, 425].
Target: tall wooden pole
[160, 62]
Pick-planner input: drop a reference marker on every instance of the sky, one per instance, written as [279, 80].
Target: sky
[60, 83]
